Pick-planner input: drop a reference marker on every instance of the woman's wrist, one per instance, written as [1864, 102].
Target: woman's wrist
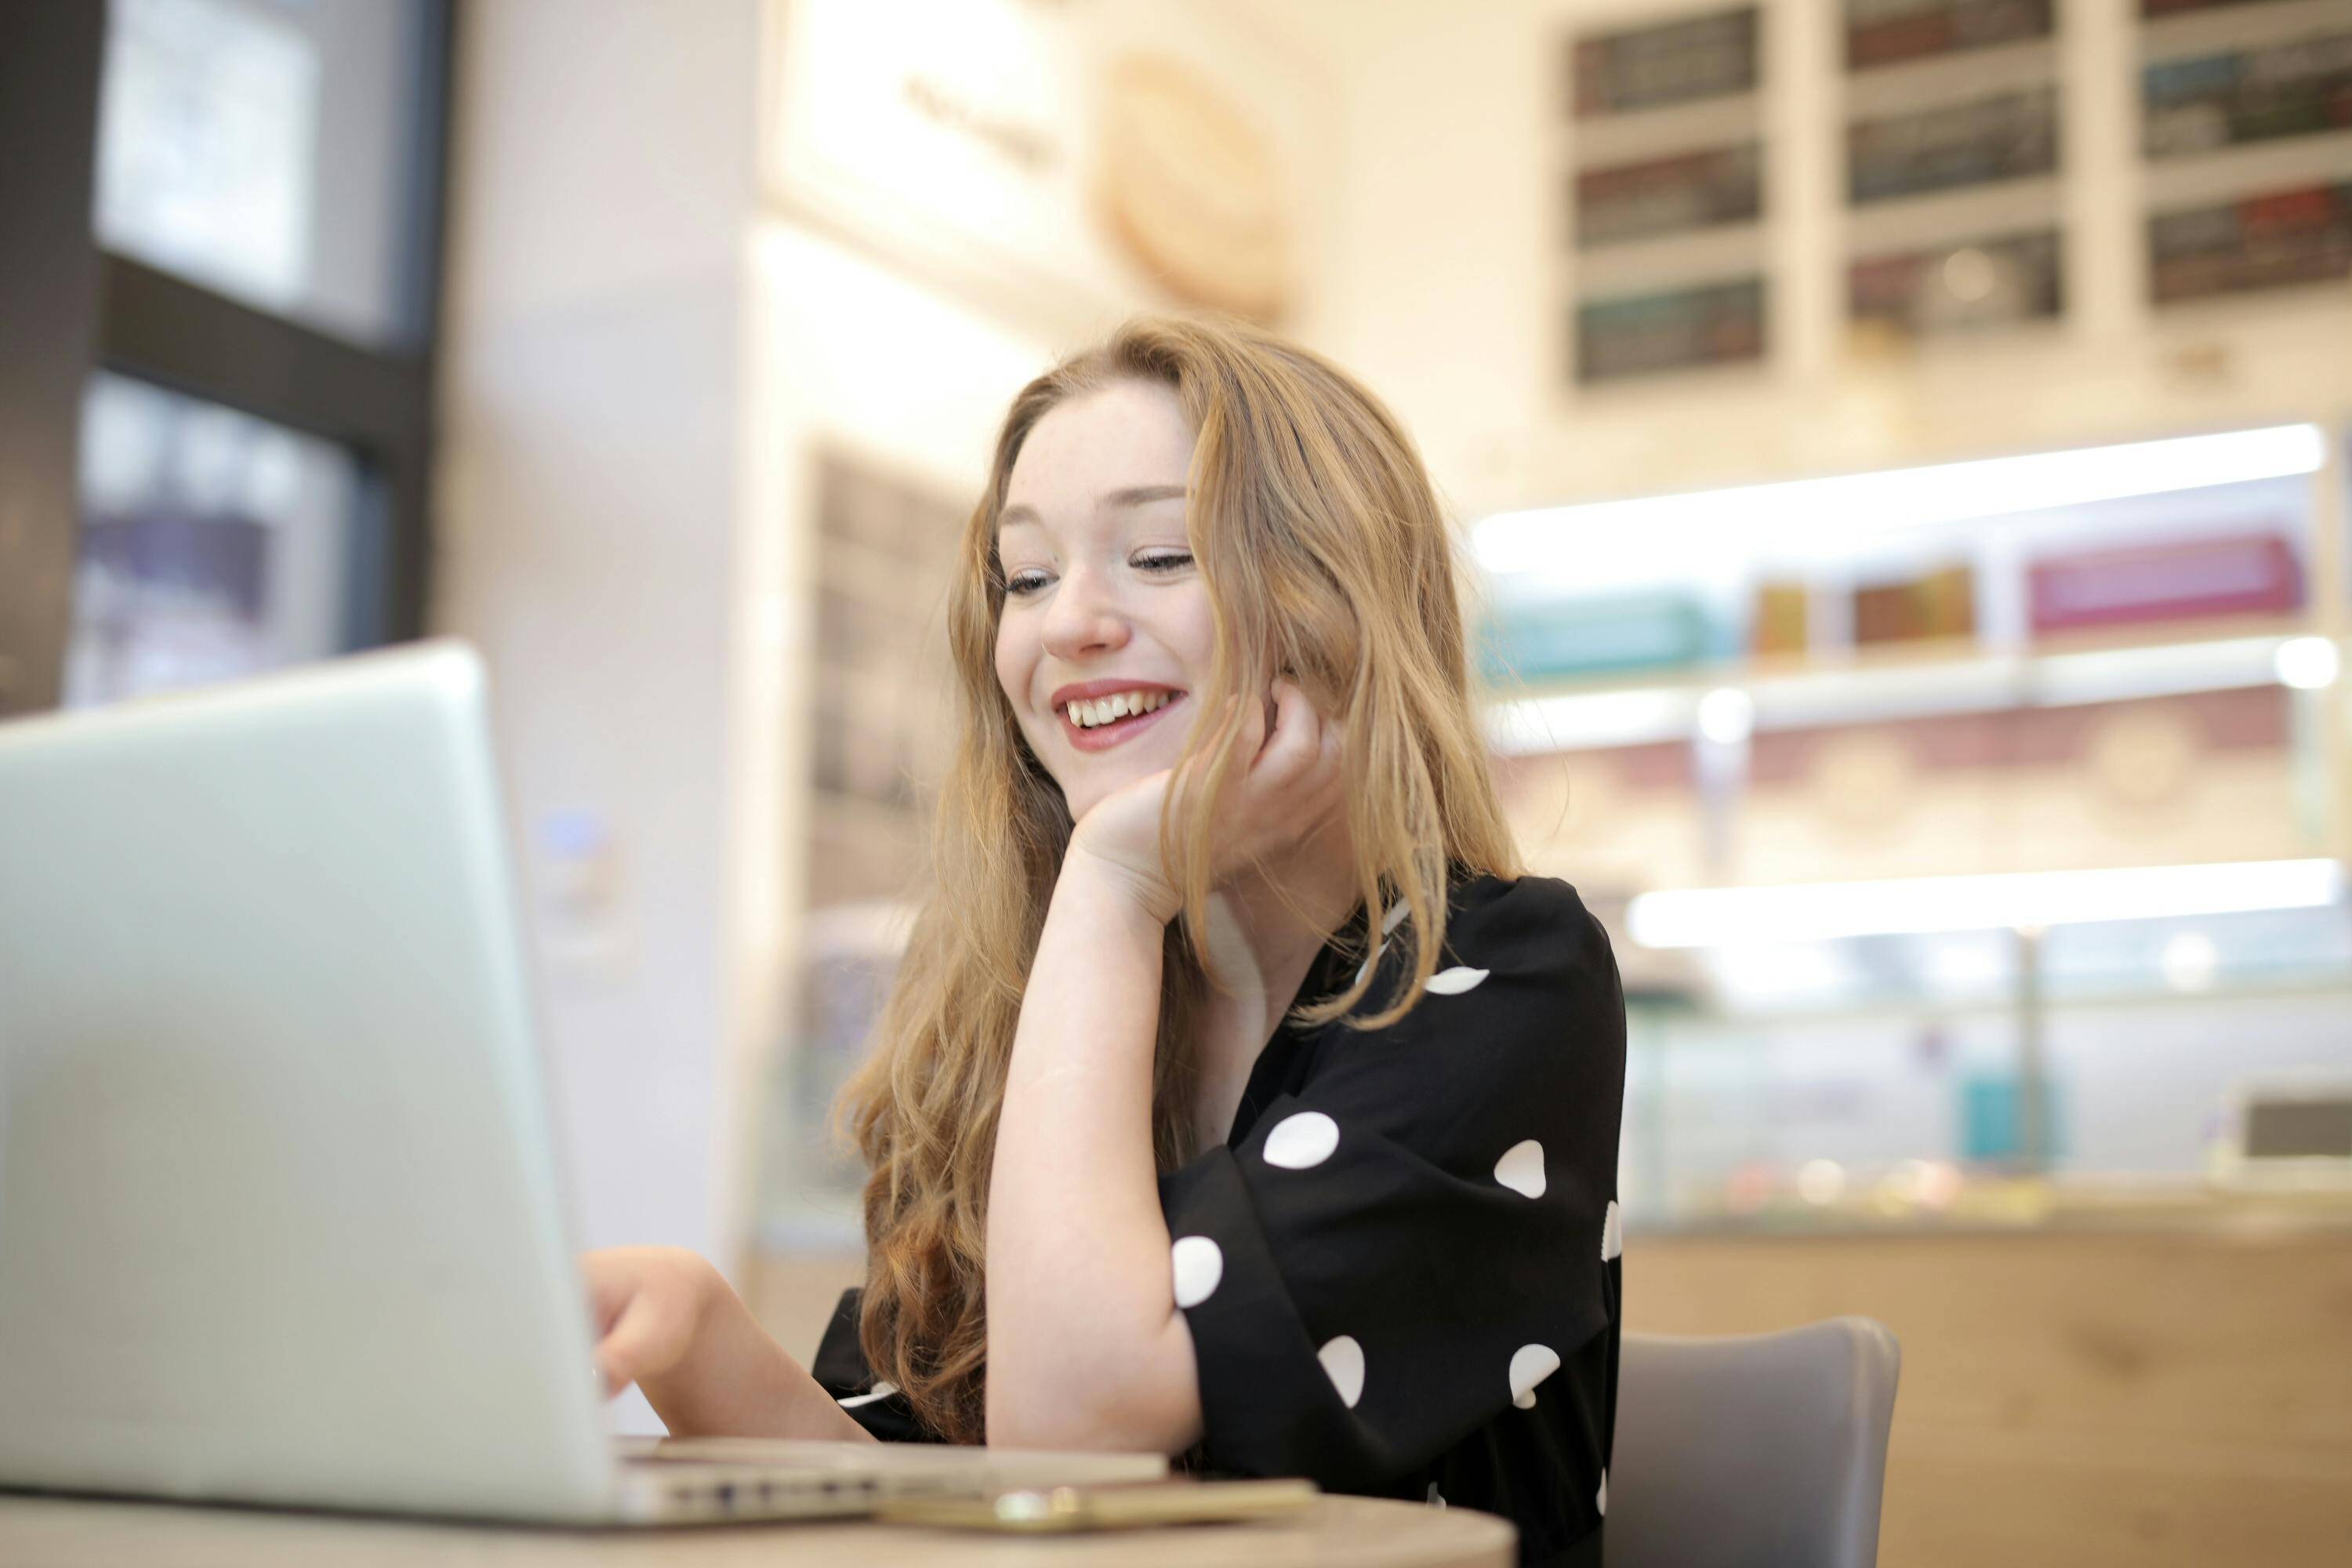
[736, 1380]
[680, 1387]
[1101, 876]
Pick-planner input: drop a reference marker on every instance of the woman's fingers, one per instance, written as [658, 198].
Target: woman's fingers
[643, 1340]
[1294, 750]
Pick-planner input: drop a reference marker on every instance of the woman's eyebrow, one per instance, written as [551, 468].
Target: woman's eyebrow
[1130, 495]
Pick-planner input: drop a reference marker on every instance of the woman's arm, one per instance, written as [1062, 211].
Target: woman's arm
[1086, 1347]
[672, 1325]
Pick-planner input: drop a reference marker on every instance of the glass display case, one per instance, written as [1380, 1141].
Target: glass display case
[1966, 832]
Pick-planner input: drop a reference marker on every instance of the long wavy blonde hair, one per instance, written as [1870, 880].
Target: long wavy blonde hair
[1326, 559]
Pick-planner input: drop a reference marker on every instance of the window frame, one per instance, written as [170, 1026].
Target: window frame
[70, 308]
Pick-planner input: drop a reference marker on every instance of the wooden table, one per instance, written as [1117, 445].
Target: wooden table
[1339, 1533]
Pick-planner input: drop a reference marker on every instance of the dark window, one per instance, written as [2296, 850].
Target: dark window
[219, 284]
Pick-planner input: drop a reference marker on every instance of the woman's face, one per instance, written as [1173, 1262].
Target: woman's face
[1106, 631]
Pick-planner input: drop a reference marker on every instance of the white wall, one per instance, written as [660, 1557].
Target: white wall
[645, 345]
[602, 186]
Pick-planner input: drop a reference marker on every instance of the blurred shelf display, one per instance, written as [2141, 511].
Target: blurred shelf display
[1900, 1112]
[2278, 240]
[2246, 127]
[2007, 136]
[2202, 102]
[1710, 325]
[1966, 189]
[1669, 64]
[1669, 195]
[1664, 192]
[1963, 828]
[879, 722]
[2149, 568]
[1890, 32]
[1951, 168]
[1998, 282]
[1788, 693]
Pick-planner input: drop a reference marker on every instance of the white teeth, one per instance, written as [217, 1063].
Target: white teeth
[1086, 715]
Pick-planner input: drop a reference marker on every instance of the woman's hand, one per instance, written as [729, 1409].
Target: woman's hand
[1287, 787]
[668, 1321]
[649, 1302]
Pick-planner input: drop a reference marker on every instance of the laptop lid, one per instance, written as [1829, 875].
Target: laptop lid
[279, 1207]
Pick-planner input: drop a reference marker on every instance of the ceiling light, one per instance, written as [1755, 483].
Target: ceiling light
[1719, 917]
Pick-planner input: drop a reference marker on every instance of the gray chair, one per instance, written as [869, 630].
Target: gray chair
[1764, 1450]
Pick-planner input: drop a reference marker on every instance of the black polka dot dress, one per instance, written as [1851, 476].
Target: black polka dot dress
[1401, 1271]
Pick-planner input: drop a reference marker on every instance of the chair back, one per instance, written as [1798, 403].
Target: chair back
[1760, 1449]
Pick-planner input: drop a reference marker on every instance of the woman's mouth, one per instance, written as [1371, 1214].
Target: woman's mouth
[1103, 723]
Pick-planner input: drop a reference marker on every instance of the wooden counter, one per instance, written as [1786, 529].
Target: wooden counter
[2075, 1396]
[2101, 1391]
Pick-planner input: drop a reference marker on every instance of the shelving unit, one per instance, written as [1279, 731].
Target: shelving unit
[1969, 170]
[2110, 767]
[2246, 124]
[1666, 195]
[1926, 679]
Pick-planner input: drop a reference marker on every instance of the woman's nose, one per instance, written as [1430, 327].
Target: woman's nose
[1084, 616]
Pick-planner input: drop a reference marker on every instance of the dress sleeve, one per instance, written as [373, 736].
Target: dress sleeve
[1409, 1243]
[841, 1371]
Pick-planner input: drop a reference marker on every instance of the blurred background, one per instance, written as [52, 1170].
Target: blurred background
[1902, 445]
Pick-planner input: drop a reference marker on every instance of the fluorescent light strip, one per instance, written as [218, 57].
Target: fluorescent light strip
[1729, 917]
[1944, 492]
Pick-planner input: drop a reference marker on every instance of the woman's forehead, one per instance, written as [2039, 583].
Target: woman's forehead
[1122, 446]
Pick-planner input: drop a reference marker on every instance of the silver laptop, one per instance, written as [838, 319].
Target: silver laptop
[280, 1219]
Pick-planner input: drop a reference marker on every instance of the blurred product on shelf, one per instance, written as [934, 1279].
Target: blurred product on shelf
[2182, 580]
[1780, 623]
[1888, 32]
[1940, 605]
[1712, 324]
[2296, 89]
[2155, 10]
[1991, 1121]
[1669, 195]
[2273, 241]
[1985, 283]
[1651, 68]
[1604, 635]
[2008, 137]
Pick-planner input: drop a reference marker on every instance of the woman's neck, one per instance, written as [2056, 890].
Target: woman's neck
[1285, 911]
[1264, 931]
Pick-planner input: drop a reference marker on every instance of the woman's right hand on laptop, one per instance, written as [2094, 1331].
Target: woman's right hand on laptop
[667, 1320]
[648, 1302]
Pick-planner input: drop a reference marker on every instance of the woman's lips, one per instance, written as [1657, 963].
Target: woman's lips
[1102, 736]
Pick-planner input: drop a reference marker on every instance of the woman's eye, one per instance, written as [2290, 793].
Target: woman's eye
[1022, 583]
[1166, 562]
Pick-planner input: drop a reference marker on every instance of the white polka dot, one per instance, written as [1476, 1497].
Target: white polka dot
[1199, 1265]
[1388, 923]
[1455, 980]
[1521, 1169]
[1602, 1501]
[1613, 1233]
[1530, 1364]
[881, 1391]
[1434, 1498]
[1300, 1140]
[1343, 1362]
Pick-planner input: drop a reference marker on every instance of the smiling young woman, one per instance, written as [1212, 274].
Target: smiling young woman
[1238, 1096]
